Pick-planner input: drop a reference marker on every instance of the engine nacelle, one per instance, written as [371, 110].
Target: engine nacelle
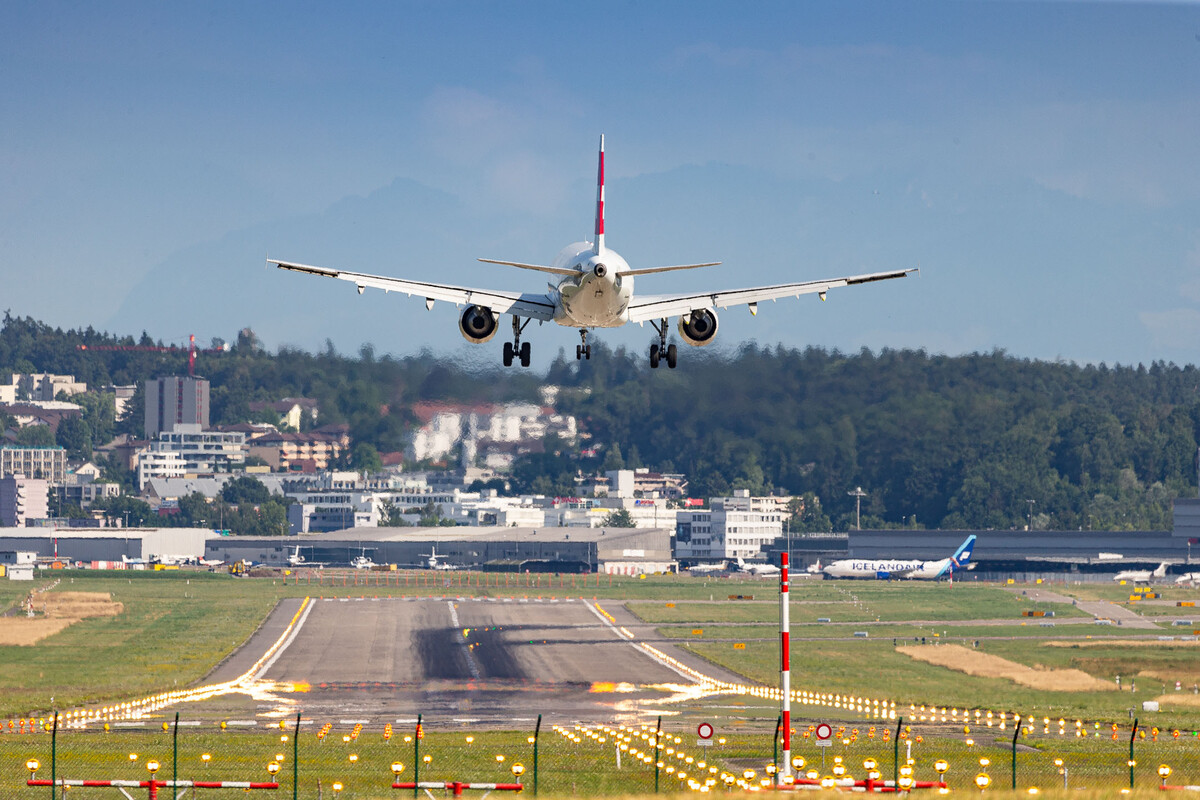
[698, 328]
[478, 324]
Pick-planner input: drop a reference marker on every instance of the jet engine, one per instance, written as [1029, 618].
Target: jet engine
[698, 328]
[478, 324]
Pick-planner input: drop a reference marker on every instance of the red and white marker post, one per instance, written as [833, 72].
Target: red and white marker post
[785, 668]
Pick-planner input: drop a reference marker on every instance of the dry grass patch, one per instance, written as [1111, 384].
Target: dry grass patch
[983, 665]
[1125, 643]
[60, 610]
[1179, 700]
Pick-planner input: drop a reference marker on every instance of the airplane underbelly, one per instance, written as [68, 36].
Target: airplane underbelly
[589, 307]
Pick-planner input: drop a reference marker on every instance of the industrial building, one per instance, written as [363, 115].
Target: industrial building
[627, 551]
[88, 545]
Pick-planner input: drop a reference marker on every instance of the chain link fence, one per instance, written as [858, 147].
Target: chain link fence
[342, 759]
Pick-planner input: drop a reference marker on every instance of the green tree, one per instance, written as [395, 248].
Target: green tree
[35, 436]
[245, 489]
[365, 459]
[620, 518]
[75, 436]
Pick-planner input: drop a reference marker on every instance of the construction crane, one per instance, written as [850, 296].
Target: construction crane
[191, 350]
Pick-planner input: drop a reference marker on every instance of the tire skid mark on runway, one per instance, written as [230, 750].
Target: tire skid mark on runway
[471, 665]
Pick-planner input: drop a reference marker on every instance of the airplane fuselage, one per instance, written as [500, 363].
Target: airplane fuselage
[598, 296]
[870, 568]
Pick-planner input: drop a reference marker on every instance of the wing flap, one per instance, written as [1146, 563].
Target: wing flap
[533, 306]
[657, 306]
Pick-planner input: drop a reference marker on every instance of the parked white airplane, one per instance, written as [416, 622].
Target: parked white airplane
[594, 290]
[1189, 578]
[758, 570]
[702, 569]
[434, 563]
[1142, 575]
[916, 569]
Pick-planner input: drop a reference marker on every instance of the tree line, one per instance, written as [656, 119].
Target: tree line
[985, 440]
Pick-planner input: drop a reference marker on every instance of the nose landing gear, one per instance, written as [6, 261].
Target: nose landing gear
[583, 350]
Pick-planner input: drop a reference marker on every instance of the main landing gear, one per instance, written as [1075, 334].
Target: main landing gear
[514, 349]
[662, 350]
[583, 350]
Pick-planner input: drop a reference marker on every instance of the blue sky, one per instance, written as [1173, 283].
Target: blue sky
[1039, 161]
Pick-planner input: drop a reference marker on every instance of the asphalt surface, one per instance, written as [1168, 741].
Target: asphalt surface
[488, 661]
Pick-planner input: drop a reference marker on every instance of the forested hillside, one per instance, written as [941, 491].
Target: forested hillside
[934, 441]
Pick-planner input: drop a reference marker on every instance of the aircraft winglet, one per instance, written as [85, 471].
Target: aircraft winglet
[598, 246]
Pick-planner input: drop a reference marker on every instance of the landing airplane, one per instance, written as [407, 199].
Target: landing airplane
[594, 290]
[758, 570]
[914, 569]
[1142, 575]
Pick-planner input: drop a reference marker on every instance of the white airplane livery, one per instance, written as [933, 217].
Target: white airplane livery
[1142, 575]
[594, 289]
[913, 569]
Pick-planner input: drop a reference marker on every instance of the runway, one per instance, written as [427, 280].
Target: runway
[483, 661]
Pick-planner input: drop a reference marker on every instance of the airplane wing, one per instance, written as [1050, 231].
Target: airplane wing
[650, 307]
[533, 306]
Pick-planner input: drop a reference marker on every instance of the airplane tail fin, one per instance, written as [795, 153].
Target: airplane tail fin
[1161, 572]
[962, 556]
[598, 246]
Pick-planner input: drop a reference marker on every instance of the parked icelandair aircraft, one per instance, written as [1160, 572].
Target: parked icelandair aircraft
[1142, 575]
[915, 569]
[758, 570]
[594, 289]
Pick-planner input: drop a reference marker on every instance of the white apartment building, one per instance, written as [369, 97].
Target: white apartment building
[730, 528]
[39, 386]
[153, 464]
[332, 510]
[201, 450]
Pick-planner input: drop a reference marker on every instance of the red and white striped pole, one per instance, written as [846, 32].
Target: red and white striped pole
[785, 668]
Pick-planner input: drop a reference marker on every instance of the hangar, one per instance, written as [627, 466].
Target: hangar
[627, 551]
[106, 544]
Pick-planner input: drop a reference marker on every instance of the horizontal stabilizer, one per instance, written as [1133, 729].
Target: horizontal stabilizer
[652, 270]
[536, 267]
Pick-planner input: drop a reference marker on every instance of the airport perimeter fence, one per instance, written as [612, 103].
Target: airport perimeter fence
[344, 759]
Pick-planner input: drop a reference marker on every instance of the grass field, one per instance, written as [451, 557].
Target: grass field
[177, 625]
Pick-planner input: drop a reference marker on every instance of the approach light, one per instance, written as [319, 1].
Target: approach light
[518, 769]
[983, 781]
[273, 768]
[152, 766]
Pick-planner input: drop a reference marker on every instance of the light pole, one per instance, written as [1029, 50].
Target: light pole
[1031, 502]
[858, 494]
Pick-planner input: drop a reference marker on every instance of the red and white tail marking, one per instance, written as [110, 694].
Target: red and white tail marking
[598, 247]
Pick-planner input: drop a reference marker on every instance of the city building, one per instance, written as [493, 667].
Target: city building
[332, 510]
[731, 527]
[39, 386]
[23, 499]
[174, 401]
[200, 450]
[47, 463]
[489, 435]
[310, 451]
[152, 464]
[294, 412]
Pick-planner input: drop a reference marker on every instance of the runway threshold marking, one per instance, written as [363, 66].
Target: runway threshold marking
[654, 653]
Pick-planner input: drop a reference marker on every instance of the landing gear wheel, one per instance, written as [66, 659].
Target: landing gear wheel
[525, 354]
[672, 354]
[587, 352]
[653, 356]
[508, 354]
